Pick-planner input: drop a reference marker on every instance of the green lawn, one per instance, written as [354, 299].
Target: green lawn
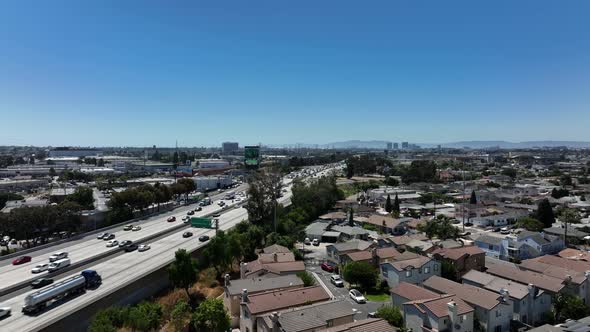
[378, 297]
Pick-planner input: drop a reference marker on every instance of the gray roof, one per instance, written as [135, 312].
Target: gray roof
[350, 230]
[571, 231]
[489, 239]
[314, 316]
[351, 245]
[317, 227]
[254, 285]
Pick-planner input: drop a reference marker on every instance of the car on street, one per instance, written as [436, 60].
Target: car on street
[328, 266]
[58, 255]
[40, 268]
[41, 282]
[4, 312]
[198, 208]
[101, 236]
[307, 241]
[124, 243]
[130, 247]
[128, 227]
[109, 236]
[171, 219]
[112, 243]
[468, 224]
[336, 280]
[203, 238]
[315, 242]
[186, 218]
[187, 234]
[357, 296]
[136, 228]
[21, 260]
[216, 215]
[221, 203]
[505, 230]
[190, 212]
[144, 247]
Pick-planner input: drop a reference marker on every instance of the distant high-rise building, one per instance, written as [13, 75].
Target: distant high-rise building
[389, 145]
[396, 146]
[229, 147]
[405, 145]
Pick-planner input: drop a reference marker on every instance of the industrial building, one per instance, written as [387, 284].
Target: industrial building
[204, 183]
[74, 152]
[229, 148]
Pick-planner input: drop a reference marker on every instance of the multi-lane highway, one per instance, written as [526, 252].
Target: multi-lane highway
[122, 269]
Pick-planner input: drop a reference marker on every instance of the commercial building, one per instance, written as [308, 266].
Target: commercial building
[405, 145]
[74, 152]
[396, 146]
[204, 183]
[389, 145]
[229, 148]
[212, 163]
[21, 184]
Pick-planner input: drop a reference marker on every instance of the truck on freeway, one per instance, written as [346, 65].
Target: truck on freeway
[75, 285]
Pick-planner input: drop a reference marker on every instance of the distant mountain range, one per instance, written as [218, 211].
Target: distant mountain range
[378, 144]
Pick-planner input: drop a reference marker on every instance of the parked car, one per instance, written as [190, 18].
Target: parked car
[112, 243]
[171, 219]
[41, 282]
[144, 247]
[4, 312]
[315, 242]
[203, 238]
[21, 260]
[468, 224]
[58, 255]
[136, 228]
[187, 234]
[372, 314]
[357, 296]
[130, 247]
[125, 243]
[497, 229]
[307, 241]
[109, 236]
[336, 280]
[40, 268]
[328, 266]
[128, 227]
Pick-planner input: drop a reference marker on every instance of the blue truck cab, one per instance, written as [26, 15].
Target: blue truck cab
[93, 279]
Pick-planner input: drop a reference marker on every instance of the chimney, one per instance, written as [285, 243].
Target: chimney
[274, 317]
[226, 279]
[452, 306]
[505, 294]
[243, 267]
[244, 295]
[275, 257]
[568, 278]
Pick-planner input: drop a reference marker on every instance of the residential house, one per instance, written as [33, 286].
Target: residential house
[491, 245]
[257, 305]
[571, 325]
[271, 265]
[446, 313]
[462, 259]
[572, 232]
[315, 317]
[374, 256]
[335, 251]
[350, 232]
[337, 216]
[413, 271]
[406, 292]
[492, 311]
[371, 324]
[526, 244]
[422, 247]
[399, 242]
[550, 284]
[529, 303]
[316, 230]
[233, 290]
[497, 220]
[275, 248]
[387, 224]
[575, 254]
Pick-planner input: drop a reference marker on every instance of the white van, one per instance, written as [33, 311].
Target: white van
[57, 256]
[58, 264]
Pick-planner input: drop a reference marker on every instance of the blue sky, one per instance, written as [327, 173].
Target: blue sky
[138, 73]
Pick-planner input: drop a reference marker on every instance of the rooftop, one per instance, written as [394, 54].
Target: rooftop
[473, 295]
[413, 262]
[496, 284]
[283, 299]
[456, 253]
[371, 324]
[255, 285]
[413, 292]
[439, 306]
[314, 316]
[513, 272]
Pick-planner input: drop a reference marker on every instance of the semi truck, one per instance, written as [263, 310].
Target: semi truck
[37, 301]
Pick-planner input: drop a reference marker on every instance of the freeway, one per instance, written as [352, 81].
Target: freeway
[89, 248]
[117, 272]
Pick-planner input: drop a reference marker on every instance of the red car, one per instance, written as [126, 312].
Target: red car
[171, 219]
[21, 260]
[329, 267]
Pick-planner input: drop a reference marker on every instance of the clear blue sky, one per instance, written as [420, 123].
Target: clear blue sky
[139, 73]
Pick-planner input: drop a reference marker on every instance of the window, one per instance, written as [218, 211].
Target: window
[463, 318]
[426, 270]
[498, 313]
[246, 314]
[435, 267]
[490, 247]
[330, 323]
[408, 273]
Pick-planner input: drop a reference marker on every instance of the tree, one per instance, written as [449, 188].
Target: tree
[582, 198]
[361, 273]
[180, 315]
[183, 271]
[420, 171]
[392, 182]
[388, 206]
[217, 253]
[82, 196]
[307, 278]
[559, 193]
[567, 306]
[448, 270]
[264, 190]
[396, 203]
[5, 197]
[101, 323]
[211, 316]
[511, 172]
[175, 159]
[530, 224]
[349, 169]
[545, 213]
[391, 314]
[145, 316]
[473, 199]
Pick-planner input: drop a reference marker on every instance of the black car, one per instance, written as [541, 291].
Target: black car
[190, 212]
[125, 243]
[497, 229]
[468, 224]
[216, 215]
[203, 238]
[198, 209]
[130, 247]
[187, 234]
[41, 282]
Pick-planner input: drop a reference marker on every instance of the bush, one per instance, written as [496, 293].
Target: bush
[391, 314]
[307, 278]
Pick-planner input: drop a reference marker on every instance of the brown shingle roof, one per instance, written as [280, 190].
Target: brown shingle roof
[383, 221]
[384, 253]
[278, 300]
[275, 248]
[456, 253]
[371, 324]
[360, 256]
[526, 277]
[413, 292]
[575, 265]
[439, 306]
[403, 239]
[574, 254]
[278, 268]
[553, 270]
[415, 263]
[276, 257]
[470, 294]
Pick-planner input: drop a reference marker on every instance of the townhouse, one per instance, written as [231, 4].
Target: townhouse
[462, 259]
[413, 270]
[315, 317]
[446, 313]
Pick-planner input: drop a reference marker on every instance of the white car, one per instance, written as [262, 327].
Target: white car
[57, 256]
[40, 268]
[136, 228]
[336, 280]
[144, 247]
[4, 312]
[186, 218]
[357, 296]
[112, 243]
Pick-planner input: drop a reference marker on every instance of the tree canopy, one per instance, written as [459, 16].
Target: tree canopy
[183, 271]
[211, 316]
[545, 213]
[362, 274]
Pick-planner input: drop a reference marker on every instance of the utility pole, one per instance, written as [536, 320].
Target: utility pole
[463, 195]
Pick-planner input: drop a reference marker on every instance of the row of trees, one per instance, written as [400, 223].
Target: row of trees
[441, 228]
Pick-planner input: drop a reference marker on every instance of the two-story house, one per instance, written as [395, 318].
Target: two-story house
[405, 292]
[446, 313]
[315, 317]
[463, 259]
[492, 311]
[413, 271]
[528, 244]
[337, 250]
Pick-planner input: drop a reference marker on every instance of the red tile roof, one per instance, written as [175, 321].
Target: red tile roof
[282, 299]
[413, 292]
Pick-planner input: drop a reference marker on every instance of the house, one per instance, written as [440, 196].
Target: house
[316, 230]
[371, 324]
[571, 325]
[271, 266]
[502, 219]
[571, 232]
[399, 242]
[509, 271]
[491, 245]
[418, 246]
[575, 254]
[337, 216]
[275, 248]
[350, 232]
[386, 224]
[405, 292]
[413, 271]
[462, 259]
[233, 290]
[335, 251]
[528, 244]
[529, 303]
[314, 317]
[446, 313]
[493, 311]
[374, 256]
[254, 306]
